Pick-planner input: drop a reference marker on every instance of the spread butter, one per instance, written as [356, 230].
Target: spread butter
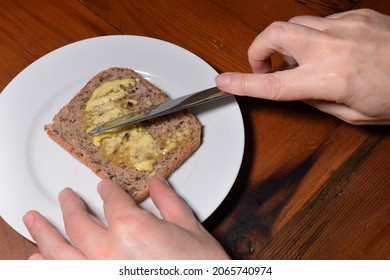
[132, 145]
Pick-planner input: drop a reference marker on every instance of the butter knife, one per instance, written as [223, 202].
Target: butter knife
[171, 106]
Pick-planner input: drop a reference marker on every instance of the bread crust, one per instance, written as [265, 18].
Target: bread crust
[69, 131]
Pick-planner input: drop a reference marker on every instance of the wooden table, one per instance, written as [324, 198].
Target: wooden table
[310, 186]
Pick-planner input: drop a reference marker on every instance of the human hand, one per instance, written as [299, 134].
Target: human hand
[343, 65]
[131, 233]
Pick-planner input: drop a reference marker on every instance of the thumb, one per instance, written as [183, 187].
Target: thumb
[266, 86]
[172, 208]
[280, 85]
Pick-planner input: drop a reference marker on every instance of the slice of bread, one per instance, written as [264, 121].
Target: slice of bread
[174, 137]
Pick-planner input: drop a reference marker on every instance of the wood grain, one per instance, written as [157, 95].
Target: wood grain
[330, 229]
[13, 245]
[327, 7]
[200, 32]
[29, 30]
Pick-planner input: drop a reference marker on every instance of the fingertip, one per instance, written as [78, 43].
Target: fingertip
[159, 180]
[223, 80]
[232, 82]
[157, 186]
[106, 188]
[29, 217]
[62, 193]
[105, 183]
[101, 185]
[160, 188]
[36, 257]
[171, 206]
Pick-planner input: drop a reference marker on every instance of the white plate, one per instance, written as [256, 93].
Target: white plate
[33, 169]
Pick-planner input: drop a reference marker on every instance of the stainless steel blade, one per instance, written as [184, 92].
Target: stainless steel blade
[171, 106]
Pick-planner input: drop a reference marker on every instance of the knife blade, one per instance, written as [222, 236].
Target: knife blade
[171, 106]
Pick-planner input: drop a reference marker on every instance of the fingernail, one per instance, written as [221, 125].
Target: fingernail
[223, 79]
[61, 194]
[36, 257]
[101, 184]
[162, 180]
[28, 219]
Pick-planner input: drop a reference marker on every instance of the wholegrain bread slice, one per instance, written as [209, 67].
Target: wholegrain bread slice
[69, 129]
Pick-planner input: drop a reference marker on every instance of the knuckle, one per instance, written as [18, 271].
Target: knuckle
[125, 230]
[364, 14]
[276, 29]
[362, 20]
[129, 225]
[238, 84]
[72, 225]
[272, 85]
